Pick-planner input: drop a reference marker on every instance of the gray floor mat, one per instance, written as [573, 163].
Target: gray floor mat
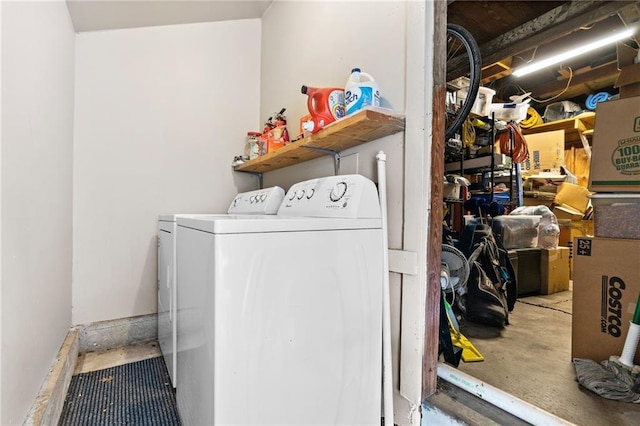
[138, 393]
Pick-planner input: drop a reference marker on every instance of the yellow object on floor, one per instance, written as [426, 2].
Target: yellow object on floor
[469, 352]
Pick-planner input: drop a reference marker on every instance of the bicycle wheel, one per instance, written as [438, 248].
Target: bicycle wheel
[463, 59]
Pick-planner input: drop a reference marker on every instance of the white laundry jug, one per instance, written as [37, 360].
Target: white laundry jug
[360, 91]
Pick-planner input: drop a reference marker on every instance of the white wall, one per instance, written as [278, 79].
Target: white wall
[1, 364]
[160, 113]
[36, 196]
[316, 43]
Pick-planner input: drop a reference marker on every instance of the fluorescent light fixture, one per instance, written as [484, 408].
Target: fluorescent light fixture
[573, 53]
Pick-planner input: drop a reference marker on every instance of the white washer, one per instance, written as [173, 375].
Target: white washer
[264, 201]
[280, 318]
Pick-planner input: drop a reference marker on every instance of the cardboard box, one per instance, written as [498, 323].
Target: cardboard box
[629, 78]
[546, 152]
[566, 212]
[535, 198]
[554, 270]
[574, 196]
[528, 273]
[606, 285]
[569, 230]
[615, 155]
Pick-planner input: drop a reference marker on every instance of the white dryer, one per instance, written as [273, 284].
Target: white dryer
[263, 201]
[280, 318]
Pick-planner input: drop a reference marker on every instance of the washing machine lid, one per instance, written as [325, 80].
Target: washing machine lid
[173, 217]
[258, 202]
[246, 224]
[167, 218]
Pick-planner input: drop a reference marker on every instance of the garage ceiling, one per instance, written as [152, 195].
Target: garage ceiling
[513, 33]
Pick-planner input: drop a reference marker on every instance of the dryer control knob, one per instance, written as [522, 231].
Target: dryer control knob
[338, 191]
[310, 193]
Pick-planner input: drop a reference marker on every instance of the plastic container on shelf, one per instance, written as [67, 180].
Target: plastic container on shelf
[510, 111]
[482, 102]
[615, 215]
[252, 147]
[360, 91]
[451, 190]
[325, 106]
[517, 232]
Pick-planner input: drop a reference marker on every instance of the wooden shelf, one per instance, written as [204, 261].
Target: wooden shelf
[573, 128]
[364, 126]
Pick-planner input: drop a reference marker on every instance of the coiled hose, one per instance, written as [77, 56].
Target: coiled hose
[594, 98]
[520, 150]
[533, 119]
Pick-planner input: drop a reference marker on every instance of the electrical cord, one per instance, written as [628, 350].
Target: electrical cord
[533, 119]
[468, 133]
[542, 101]
[520, 150]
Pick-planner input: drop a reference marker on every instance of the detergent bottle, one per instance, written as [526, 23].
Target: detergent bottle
[361, 91]
[325, 106]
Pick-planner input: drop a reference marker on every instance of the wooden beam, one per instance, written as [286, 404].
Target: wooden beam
[630, 14]
[553, 25]
[602, 76]
[434, 238]
[495, 71]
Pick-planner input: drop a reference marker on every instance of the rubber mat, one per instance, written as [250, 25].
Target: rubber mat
[139, 393]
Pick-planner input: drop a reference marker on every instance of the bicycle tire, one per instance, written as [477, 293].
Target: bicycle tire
[465, 38]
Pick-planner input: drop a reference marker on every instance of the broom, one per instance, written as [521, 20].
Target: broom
[616, 378]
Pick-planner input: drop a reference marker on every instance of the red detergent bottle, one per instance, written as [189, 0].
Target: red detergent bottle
[325, 106]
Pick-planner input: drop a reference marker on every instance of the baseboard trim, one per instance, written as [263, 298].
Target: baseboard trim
[103, 335]
[96, 336]
[47, 408]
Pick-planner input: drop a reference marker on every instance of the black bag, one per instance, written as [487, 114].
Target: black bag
[492, 287]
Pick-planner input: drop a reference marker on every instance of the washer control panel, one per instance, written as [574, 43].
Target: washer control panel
[261, 201]
[346, 196]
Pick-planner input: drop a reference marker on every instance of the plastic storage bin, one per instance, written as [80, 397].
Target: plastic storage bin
[517, 232]
[616, 215]
[451, 190]
[482, 102]
[509, 111]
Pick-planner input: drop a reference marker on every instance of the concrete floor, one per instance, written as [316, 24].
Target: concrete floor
[99, 360]
[531, 359]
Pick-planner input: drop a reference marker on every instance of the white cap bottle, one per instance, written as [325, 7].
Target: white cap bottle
[361, 91]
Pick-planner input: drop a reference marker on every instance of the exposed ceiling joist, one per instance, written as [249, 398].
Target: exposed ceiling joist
[550, 26]
[630, 14]
[603, 75]
[553, 25]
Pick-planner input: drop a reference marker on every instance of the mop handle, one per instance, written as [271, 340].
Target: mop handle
[636, 313]
[633, 335]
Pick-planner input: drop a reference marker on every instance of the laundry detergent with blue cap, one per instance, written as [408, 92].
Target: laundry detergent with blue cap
[360, 91]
